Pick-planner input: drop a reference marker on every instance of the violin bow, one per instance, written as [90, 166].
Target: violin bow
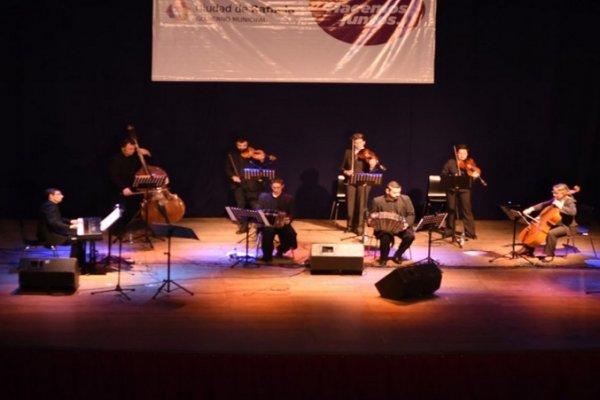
[457, 162]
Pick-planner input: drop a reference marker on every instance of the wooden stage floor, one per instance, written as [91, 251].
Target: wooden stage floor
[482, 307]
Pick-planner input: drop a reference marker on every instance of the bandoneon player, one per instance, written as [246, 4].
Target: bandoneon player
[392, 214]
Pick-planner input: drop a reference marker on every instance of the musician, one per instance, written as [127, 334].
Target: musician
[279, 202]
[245, 191]
[357, 194]
[122, 169]
[459, 198]
[566, 205]
[394, 202]
[54, 230]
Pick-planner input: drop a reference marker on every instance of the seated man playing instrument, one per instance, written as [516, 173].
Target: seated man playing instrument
[392, 215]
[280, 206]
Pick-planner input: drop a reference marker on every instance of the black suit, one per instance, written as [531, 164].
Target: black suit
[53, 230]
[286, 233]
[462, 197]
[402, 206]
[356, 195]
[246, 192]
[122, 171]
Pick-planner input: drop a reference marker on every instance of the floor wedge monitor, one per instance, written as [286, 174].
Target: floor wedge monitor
[417, 280]
[48, 274]
[336, 258]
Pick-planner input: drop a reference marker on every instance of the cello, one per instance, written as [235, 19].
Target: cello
[159, 205]
[536, 232]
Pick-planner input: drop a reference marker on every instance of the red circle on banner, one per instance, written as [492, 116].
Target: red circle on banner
[371, 22]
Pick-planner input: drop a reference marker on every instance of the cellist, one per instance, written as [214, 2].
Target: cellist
[562, 201]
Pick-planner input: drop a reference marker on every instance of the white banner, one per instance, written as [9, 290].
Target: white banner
[369, 41]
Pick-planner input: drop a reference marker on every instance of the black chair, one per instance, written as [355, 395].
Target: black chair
[584, 218]
[340, 197]
[436, 196]
[36, 244]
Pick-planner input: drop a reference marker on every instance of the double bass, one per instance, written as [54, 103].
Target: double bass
[159, 205]
[536, 232]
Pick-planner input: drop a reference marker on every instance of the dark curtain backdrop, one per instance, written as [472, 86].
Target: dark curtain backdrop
[517, 81]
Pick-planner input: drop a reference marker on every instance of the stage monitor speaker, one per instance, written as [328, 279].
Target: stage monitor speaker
[416, 280]
[48, 274]
[336, 258]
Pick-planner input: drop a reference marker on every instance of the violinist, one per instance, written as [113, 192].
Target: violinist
[357, 195]
[122, 169]
[245, 191]
[563, 202]
[460, 199]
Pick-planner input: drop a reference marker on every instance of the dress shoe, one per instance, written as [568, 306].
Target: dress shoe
[278, 254]
[524, 251]
[547, 259]
[382, 263]
[471, 236]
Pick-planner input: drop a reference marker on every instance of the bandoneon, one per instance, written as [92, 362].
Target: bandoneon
[387, 222]
[275, 217]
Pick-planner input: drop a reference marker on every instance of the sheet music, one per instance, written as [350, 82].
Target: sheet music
[95, 226]
[110, 218]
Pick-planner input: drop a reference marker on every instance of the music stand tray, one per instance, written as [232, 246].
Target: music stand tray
[169, 231]
[259, 173]
[366, 178]
[453, 182]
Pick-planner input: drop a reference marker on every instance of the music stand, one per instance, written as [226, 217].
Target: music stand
[147, 183]
[452, 185]
[430, 222]
[364, 179]
[238, 215]
[121, 291]
[169, 231]
[515, 216]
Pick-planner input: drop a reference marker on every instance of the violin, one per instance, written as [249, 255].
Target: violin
[368, 155]
[257, 154]
[535, 233]
[472, 169]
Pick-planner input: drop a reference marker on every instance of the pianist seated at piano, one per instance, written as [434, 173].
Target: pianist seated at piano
[54, 230]
[392, 214]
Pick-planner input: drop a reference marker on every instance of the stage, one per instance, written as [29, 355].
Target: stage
[493, 320]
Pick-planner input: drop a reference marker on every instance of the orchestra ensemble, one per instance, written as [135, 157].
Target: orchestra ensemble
[142, 193]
